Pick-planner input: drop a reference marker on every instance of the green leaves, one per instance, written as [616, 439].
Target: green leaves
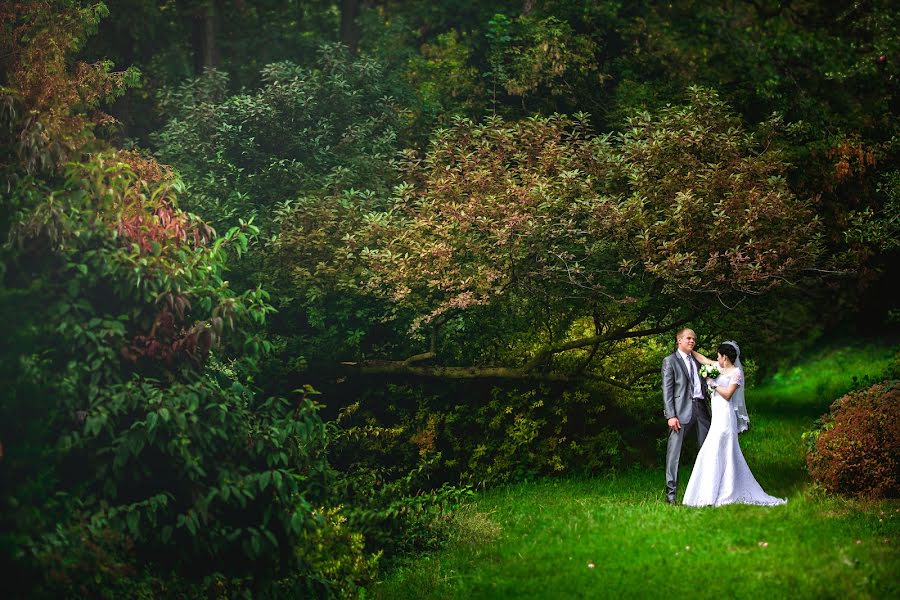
[298, 521]
[165, 442]
[239, 159]
[215, 491]
[131, 519]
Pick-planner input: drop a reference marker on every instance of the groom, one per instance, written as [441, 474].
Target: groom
[684, 403]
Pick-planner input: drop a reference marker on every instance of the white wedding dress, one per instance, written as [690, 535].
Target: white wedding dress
[721, 474]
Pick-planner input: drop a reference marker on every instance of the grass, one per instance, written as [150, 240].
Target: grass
[615, 537]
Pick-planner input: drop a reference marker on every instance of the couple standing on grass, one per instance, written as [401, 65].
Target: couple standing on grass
[720, 475]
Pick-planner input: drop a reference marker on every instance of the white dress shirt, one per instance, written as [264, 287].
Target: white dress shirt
[691, 367]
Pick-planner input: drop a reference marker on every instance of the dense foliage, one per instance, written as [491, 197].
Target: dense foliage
[471, 226]
[139, 456]
[508, 240]
[328, 129]
[683, 203]
[857, 448]
[147, 443]
[304, 131]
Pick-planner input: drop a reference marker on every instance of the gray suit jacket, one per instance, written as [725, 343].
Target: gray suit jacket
[677, 388]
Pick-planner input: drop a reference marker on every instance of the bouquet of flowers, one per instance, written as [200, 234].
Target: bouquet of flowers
[709, 371]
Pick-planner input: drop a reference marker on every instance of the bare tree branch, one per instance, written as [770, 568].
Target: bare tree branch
[403, 368]
[615, 335]
[463, 373]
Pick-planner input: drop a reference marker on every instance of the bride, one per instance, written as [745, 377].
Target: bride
[721, 475]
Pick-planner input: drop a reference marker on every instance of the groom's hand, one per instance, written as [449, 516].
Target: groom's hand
[675, 424]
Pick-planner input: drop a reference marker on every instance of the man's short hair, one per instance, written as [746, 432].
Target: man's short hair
[681, 331]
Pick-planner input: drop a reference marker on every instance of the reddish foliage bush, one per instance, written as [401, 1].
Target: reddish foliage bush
[146, 169]
[857, 451]
[160, 224]
[52, 104]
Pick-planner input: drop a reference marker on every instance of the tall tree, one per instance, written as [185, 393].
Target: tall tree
[349, 24]
[205, 25]
[562, 243]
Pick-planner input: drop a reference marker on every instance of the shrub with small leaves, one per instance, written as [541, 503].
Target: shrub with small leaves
[303, 132]
[137, 381]
[857, 449]
[336, 554]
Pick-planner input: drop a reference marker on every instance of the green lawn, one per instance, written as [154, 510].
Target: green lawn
[615, 537]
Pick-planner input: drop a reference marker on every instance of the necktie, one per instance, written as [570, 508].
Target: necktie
[693, 371]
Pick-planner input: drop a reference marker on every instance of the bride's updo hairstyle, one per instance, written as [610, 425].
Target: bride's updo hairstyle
[729, 351]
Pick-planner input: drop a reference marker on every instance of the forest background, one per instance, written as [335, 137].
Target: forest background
[283, 283]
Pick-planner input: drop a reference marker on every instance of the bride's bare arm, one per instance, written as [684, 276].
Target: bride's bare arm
[727, 391]
[702, 359]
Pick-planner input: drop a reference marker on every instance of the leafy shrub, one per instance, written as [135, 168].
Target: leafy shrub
[336, 555]
[138, 457]
[52, 103]
[570, 229]
[542, 58]
[305, 131]
[857, 449]
[389, 484]
[148, 443]
[273, 153]
[479, 437]
[523, 433]
[443, 77]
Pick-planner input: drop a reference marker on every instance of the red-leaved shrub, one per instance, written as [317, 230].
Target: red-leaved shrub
[857, 451]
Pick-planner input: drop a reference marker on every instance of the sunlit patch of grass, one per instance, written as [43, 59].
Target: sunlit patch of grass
[615, 537]
[824, 377]
[474, 527]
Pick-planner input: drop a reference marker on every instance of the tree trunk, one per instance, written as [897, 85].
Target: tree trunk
[205, 25]
[349, 25]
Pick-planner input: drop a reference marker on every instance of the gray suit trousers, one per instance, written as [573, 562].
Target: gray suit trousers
[699, 417]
